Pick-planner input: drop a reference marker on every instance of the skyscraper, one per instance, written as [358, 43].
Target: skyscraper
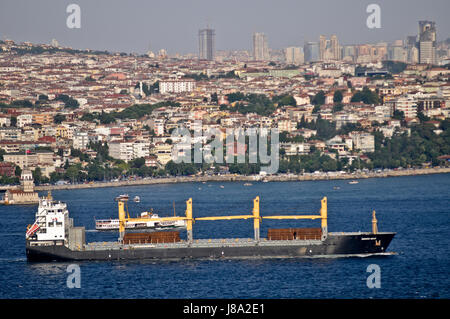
[329, 49]
[322, 47]
[335, 48]
[311, 50]
[294, 55]
[206, 45]
[260, 47]
[427, 42]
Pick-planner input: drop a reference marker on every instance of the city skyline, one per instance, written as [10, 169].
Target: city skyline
[287, 24]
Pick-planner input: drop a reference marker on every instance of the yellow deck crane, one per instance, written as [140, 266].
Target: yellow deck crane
[190, 220]
[255, 215]
[323, 217]
[257, 218]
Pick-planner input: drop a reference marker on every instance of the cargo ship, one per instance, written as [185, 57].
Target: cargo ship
[53, 237]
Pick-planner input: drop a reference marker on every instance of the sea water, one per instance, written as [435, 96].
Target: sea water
[417, 208]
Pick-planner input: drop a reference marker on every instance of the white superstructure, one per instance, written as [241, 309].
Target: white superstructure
[52, 221]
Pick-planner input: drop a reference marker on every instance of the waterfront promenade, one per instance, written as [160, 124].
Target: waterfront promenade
[252, 178]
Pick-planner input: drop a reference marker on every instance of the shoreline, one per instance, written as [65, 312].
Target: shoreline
[243, 178]
[253, 178]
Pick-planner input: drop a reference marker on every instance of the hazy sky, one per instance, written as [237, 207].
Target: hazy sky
[136, 25]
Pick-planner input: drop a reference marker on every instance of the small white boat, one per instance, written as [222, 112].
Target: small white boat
[122, 197]
[248, 184]
[137, 199]
[353, 182]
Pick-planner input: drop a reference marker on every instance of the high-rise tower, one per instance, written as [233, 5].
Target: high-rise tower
[206, 45]
[312, 51]
[427, 42]
[260, 47]
[329, 49]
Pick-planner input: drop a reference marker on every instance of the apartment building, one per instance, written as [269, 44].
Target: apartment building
[129, 150]
[176, 86]
[80, 140]
[24, 120]
[405, 104]
[38, 158]
[292, 149]
[362, 141]
[163, 152]
[42, 118]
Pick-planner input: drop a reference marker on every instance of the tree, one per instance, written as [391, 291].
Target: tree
[37, 175]
[284, 100]
[71, 103]
[337, 97]
[422, 117]
[214, 98]
[366, 96]
[398, 115]
[88, 117]
[106, 118]
[337, 107]
[319, 98]
[138, 162]
[59, 118]
[72, 173]
[316, 109]
[18, 171]
[62, 97]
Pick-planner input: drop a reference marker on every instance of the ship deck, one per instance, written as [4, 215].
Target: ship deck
[217, 242]
[201, 243]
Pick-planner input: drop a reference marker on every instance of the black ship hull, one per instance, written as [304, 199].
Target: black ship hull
[335, 245]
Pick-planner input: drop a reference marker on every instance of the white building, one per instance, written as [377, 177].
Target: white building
[24, 120]
[286, 125]
[5, 121]
[176, 86]
[121, 150]
[405, 104]
[80, 140]
[292, 149]
[127, 151]
[141, 149]
[363, 141]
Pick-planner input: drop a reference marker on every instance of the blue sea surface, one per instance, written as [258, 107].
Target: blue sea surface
[417, 208]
